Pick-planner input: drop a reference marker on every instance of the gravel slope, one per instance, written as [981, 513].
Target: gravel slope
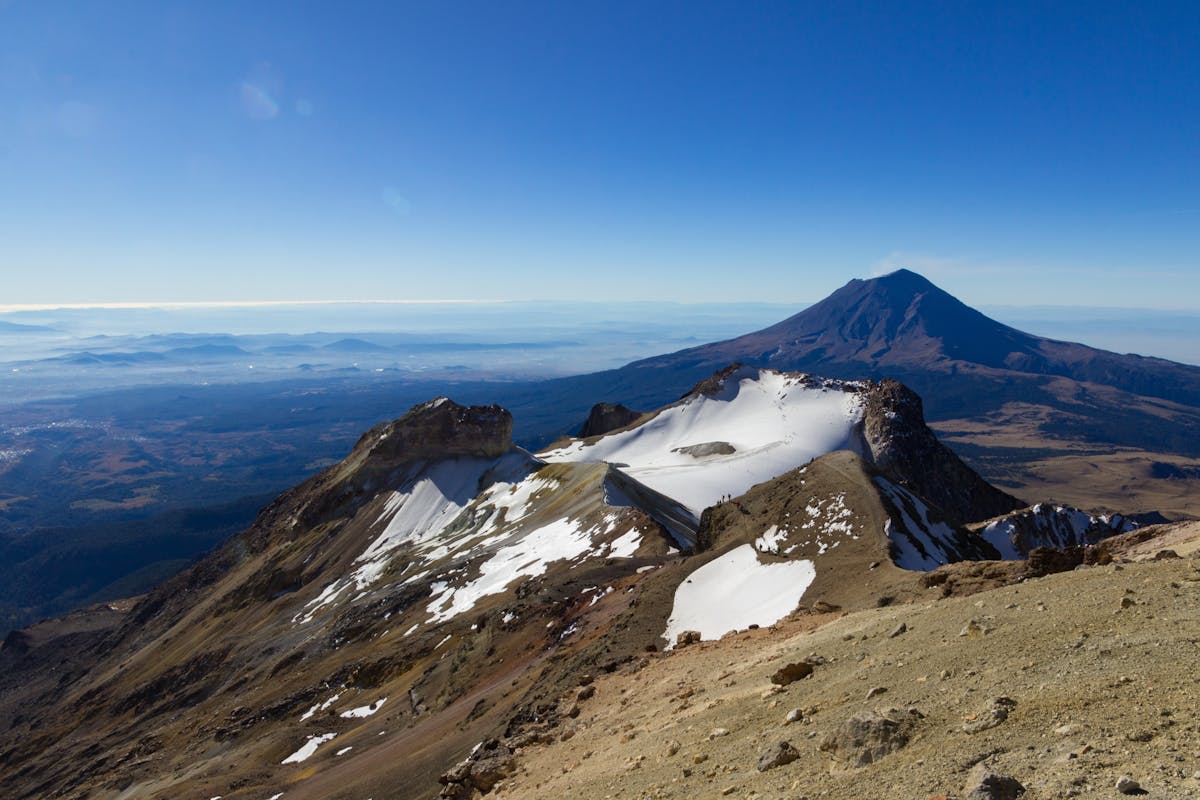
[1098, 664]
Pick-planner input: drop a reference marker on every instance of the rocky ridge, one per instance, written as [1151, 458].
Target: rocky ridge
[441, 587]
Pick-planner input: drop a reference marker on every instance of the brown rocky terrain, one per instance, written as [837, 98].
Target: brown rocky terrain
[1066, 683]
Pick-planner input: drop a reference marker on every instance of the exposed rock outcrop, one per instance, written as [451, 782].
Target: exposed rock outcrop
[902, 446]
[606, 417]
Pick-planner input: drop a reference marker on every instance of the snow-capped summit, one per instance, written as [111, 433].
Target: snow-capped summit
[745, 427]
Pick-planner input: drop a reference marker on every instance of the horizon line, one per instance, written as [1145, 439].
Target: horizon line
[11, 308]
[14, 308]
[8, 308]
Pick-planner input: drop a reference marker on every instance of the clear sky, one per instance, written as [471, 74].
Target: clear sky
[217, 150]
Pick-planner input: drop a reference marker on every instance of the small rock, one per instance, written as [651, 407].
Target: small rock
[1066, 730]
[728, 790]
[974, 629]
[777, 755]
[1127, 785]
[686, 638]
[716, 733]
[795, 715]
[996, 712]
[672, 747]
[586, 693]
[699, 758]
[983, 784]
[792, 673]
[896, 631]
[1127, 602]
[874, 691]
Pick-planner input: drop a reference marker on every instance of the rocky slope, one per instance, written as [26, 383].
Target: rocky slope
[440, 587]
[1067, 685]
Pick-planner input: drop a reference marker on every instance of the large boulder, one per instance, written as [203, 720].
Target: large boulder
[870, 735]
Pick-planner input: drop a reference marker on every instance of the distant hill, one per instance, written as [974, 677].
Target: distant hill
[15, 327]
[355, 346]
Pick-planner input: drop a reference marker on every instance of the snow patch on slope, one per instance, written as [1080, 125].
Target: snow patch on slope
[735, 591]
[431, 498]
[527, 556]
[1014, 535]
[363, 711]
[774, 422]
[918, 542]
[308, 748]
[825, 523]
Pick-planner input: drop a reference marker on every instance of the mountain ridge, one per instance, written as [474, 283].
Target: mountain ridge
[456, 585]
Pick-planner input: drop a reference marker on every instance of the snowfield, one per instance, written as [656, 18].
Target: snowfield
[773, 423]
[735, 591]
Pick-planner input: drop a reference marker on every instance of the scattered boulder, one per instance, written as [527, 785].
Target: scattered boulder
[1127, 785]
[870, 735]
[983, 784]
[777, 755]
[795, 715]
[875, 691]
[792, 673]
[899, 629]
[491, 763]
[997, 712]
[974, 629]
[687, 637]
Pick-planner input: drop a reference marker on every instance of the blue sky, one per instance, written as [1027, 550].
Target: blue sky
[1013, 152]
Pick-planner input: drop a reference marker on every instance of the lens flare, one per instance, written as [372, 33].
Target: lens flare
[257, 102]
